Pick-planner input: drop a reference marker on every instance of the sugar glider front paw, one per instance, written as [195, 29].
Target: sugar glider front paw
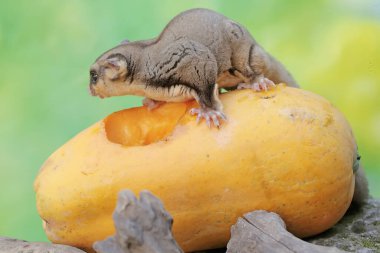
[261, 84]
[209, 115]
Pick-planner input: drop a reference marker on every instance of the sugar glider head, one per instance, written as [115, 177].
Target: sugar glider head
[108, 75]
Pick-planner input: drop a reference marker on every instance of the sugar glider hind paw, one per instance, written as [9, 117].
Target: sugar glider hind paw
[151, 104]
[262, 83]
[209, 115]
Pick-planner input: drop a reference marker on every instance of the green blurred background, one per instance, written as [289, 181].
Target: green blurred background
[46, 47]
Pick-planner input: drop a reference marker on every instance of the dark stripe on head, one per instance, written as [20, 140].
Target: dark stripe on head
[250, 54]
[106, 52]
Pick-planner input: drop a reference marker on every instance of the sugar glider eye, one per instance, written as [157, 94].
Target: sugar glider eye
[93, 77]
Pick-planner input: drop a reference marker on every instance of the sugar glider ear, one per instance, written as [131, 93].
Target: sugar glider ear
[124, 42]
[117, 67]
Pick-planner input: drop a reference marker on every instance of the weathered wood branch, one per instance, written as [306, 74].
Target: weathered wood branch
[8, 245]
[263, 232]
[258, 231]
[142, 225]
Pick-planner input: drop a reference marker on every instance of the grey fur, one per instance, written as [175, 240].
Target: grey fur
[198, 49]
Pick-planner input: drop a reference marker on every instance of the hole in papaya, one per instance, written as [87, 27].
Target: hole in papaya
[138, 126]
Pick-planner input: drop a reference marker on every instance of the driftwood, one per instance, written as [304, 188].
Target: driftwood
[262, 232]
[142, 226]
[8, 245]
[258, 231]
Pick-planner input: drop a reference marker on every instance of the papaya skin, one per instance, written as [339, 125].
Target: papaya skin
[287, 151]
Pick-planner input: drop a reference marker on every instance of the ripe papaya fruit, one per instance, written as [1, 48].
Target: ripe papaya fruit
[287, 151]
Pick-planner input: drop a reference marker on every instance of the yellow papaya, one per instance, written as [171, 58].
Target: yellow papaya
[287, 151]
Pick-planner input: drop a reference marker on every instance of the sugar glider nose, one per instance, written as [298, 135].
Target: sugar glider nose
[91, 90]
